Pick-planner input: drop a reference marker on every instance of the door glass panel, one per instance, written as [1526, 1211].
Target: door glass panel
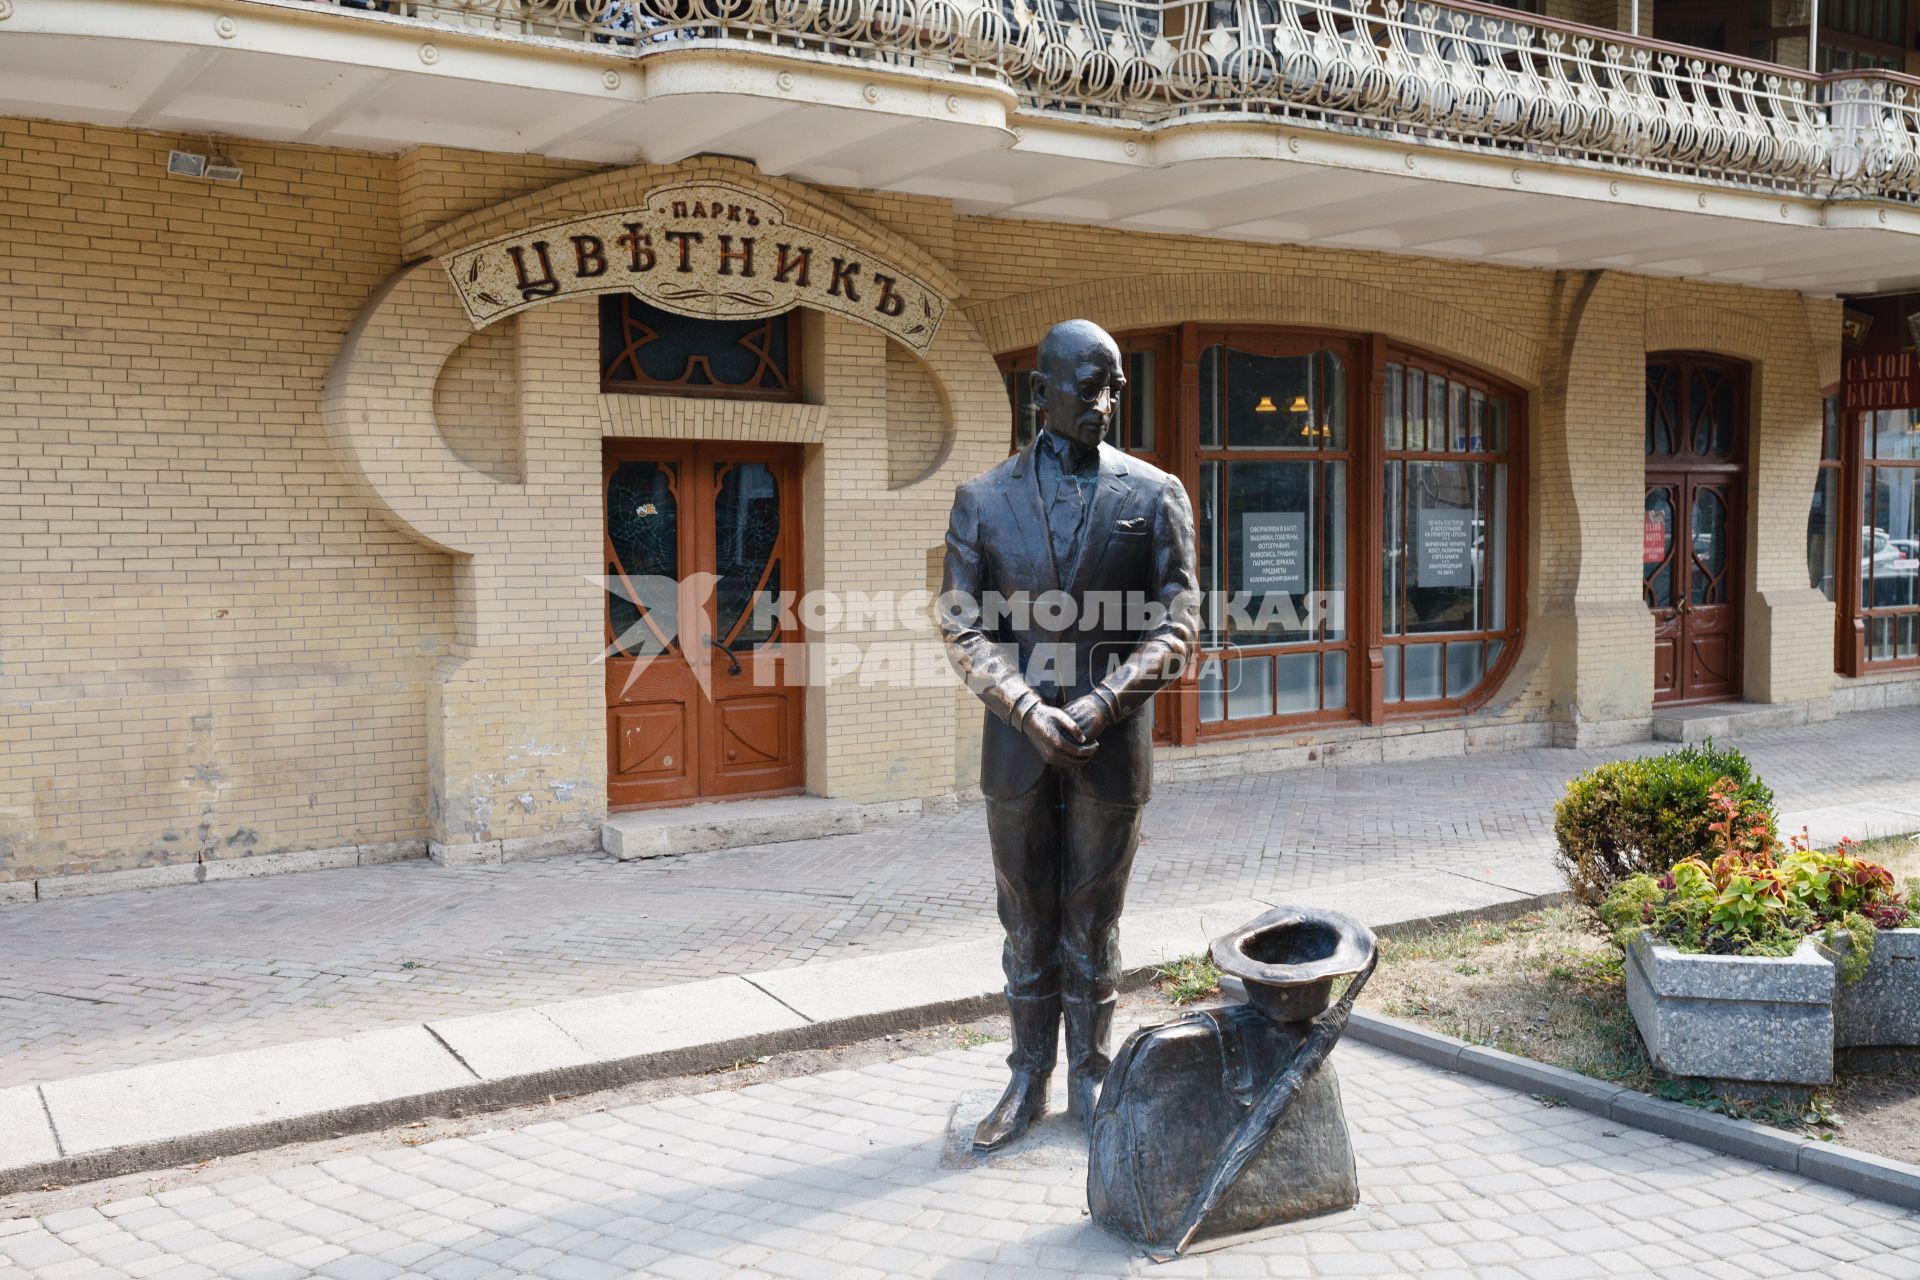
[1656, 556]
[746, 536]
[1709, 547]
[643, 530]
[1709, 412]
[1663, 408]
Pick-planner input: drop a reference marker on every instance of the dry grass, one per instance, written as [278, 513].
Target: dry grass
[1898, 854]
[1542, 986]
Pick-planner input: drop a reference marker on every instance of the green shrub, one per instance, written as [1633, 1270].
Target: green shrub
[1642, 816]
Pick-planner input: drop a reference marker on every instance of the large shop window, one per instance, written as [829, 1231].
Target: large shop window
[1355, 546]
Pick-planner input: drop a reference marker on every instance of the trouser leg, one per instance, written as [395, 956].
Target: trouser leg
[1026, 837]
[1100, 840]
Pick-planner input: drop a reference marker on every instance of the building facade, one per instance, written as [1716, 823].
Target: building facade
[1526, 386]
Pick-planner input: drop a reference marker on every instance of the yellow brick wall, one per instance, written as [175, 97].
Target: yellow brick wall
[208, 646]
[252, 607]
[476, 402]
[918, 425]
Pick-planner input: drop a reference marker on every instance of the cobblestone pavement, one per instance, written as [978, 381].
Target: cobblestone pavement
[123, 979]
[839, 1175]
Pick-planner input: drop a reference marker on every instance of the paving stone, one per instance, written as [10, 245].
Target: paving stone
[257, 1086]
[26, 1137]
[860, 988]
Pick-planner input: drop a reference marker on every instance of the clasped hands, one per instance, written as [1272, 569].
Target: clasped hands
[1064, 736]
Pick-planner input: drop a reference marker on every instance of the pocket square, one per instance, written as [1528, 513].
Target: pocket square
[1137, 524]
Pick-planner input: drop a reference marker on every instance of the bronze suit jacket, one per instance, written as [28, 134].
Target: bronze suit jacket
[1136, 549]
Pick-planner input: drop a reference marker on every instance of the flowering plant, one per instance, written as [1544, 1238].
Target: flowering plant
[1756, 898]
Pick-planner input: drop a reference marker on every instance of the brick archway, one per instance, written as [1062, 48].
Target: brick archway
[514, 718]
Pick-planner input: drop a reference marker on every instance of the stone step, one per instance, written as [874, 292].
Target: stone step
[1723, 720]
[735, 824]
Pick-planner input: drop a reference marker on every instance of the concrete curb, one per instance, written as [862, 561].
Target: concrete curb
[110, 1123]
[1893, 1181]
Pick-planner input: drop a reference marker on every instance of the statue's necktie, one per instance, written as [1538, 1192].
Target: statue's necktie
[1067, 490]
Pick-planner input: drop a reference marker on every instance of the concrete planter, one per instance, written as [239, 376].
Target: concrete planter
[1883, 1008]
[1759, 1018]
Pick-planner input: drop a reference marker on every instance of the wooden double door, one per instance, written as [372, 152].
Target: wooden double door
[1693, 548]
[701, 541]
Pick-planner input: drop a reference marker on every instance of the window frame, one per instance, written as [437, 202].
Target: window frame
[1511, 633]
[1858, 472]
[1274, 341]
[793, 393]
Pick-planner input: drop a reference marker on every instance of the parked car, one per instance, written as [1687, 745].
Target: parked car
[1895, 564]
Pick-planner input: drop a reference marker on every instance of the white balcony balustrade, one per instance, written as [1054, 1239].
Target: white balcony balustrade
[1457, 73]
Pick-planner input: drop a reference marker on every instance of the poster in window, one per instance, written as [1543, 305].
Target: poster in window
[1653, 541]
[1445, 550]
[1273, 552]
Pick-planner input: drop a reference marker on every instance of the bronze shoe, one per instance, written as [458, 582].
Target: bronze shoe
[1024, 1102]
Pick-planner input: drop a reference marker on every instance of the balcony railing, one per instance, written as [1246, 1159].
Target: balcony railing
[1459, 72]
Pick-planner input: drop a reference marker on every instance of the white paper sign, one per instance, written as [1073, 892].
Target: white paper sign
[1273, 552]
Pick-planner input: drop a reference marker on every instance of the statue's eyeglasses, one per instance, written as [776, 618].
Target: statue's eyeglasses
[1092, 392]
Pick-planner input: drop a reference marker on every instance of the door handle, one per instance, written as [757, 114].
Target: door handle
[733, 663]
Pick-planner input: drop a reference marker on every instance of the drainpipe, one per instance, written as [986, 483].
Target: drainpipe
[1813, 38]
[1635, 21]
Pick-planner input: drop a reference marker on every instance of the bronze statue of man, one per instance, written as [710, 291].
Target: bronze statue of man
[1069, 599]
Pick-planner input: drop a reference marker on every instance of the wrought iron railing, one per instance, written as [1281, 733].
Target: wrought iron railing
[1459, 72]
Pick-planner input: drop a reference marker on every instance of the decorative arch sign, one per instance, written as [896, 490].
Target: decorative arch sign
[709, 249]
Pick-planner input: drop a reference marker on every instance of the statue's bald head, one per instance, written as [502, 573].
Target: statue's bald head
[1079, 377]
[1073, 338]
